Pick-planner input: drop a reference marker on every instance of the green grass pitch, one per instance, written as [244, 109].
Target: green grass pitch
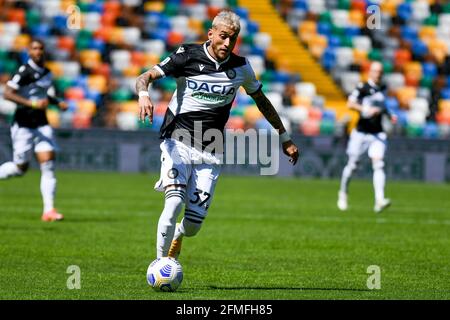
[264, 238]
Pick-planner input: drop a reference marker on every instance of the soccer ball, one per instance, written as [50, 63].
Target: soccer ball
[165, 274]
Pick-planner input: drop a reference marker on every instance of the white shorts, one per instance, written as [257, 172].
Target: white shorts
[361, 142]
[183, 165]
[26, 140]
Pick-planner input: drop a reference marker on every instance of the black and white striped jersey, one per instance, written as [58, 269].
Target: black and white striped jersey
[31, 82]
[205, 88]
[369, 94]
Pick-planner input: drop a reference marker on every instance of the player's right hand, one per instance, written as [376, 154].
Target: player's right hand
[145, 109]
[40, 104]
[291, 150]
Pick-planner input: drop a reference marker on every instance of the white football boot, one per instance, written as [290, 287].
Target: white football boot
[342, 201]
[381, 205]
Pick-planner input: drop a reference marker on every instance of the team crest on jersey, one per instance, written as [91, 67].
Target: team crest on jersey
[172, 173]
[231, 74]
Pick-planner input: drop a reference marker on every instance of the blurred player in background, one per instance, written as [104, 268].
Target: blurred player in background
[32, 90]
[208, 77]
[369, 100]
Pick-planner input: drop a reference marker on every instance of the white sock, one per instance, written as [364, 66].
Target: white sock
[187, 228]
[167, 221]
[179, 231]
[347, 175]
[48, 184]
[8, 170]
[379, 180]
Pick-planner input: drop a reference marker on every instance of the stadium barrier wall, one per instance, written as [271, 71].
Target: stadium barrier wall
[321, 157]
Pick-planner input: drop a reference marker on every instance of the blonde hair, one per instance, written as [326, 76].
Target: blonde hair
[227, 18]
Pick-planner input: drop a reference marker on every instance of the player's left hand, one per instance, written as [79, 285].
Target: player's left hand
[291, 150]
[394, 119]
[63, 105]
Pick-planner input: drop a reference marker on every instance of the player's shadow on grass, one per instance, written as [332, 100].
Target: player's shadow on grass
[285, 288]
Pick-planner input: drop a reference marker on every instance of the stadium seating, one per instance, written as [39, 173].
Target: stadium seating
[95, 66]
[413, 45]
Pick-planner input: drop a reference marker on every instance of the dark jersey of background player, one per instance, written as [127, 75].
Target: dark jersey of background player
[370, 94]
[32, 82]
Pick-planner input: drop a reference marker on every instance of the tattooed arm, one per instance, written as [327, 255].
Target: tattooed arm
[269, 112]
[142, 83]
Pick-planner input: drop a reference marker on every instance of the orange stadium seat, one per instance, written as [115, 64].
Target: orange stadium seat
[443, 117]
[213, 11]
[427, 33]
[359, 56]
[314, 114]
[66, 43]
[131, 71]
[74, 93]
[90, 58]
[97, 82]
[155, 6]
[390, 6]
[56, 68]
[17, 15]
[174, 39]
[444, 105]
[405, 95]
[138, 58]
[160, 108]
[53, 118]
[357, 18]
[104, 33]
[438, 49]
[21, 42]
[402, 56]
[317, 45]
[108, 19]
[252, 114]
[81, 120]
[86, 106]
[358, 5]
[235, 123]
[112, 6]
[103, 69]
[307, 30]
[310, 127]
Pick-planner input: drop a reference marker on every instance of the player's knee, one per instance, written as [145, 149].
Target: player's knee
[48, 166]
[352, 164]
[191, 228]
[377, 164]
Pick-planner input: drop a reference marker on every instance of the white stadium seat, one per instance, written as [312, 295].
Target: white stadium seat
[91, 21]
[297, 115]
[120, 59]
[344, 57]
[132, 35]
[420, 105]
[350, 80]
[362, 43]
[127, 121]
[262, 40]
[305, 89]
[156, 47]
[71, 69]
[394, 80]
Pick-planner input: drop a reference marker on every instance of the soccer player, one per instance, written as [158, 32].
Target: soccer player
[208, 77]
[32, 90]
[368, 99]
